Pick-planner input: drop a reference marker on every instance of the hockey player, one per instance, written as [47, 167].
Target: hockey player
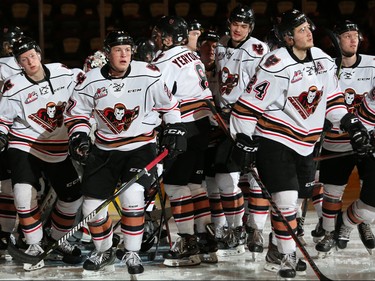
[237, 58]
[185, 75]
[195, 30]
[275, 129]
[126, 98]
[356, 74]
[8, 67]
[31, 124]
[145, 49]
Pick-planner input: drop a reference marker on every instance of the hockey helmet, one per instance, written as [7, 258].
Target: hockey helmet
[145, 50]
[173, 26]
[11, 34]
[23, 45]
[209, 35]
[289, 20]
[345, 26]
[243, 13]
[115, 38]
[194, 25]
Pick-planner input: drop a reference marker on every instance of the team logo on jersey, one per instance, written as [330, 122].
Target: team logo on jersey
[258, 48]
[271, 60]
[352, 100]
[100, 93]
[44, 90]
[7, 86]
[307, 102]
[118, 87]
[50, 117]
[31, 97]
[118, 118]
[298, 75]
[227, 81]
[346, 75]
[80, 78]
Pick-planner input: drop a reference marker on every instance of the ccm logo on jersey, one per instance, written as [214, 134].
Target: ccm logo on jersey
[174, 132]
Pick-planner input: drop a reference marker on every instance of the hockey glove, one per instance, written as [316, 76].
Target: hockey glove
[174, 139]
[244, 152]
[79, 147]
[359, 136]
[3, 141]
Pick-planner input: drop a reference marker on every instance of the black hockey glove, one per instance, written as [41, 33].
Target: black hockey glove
[79, 147]
[327, 126]
[359, 136]
[174, 139]
[244, 152]
[3, 141]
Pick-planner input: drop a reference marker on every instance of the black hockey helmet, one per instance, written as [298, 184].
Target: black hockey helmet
[194, 25]
[23, 45]
[345, 26]
[209, 35]
[145, 50]
[242, 13]
[272, 40]
[115, 38]
[11, 34]
[173, 26]
[289, 20]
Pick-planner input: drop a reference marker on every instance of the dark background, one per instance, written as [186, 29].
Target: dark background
[81, 21]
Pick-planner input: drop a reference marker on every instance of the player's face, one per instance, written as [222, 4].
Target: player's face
[30, 62]
[303, 38]
[238, 31]
[349, 42]
[120, 57]
[193, 38]
[207, 51]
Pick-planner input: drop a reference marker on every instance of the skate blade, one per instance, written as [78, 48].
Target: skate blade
[272, 267]
[192, 260]
[105, 269]
[254, 256]
[208, 258]
[322, 255]
[239, 250]
[317, 239]
[30, 267]
[369, 251]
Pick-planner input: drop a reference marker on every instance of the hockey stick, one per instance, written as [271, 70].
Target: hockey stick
[26, 258]
[267, 195]
[302, 248]
[332, 156]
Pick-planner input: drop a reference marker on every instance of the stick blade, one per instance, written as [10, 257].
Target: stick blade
[20, 256]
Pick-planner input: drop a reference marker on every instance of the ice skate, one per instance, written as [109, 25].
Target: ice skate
[132, 261]
[343, 233]
[288, 266]
[325, 246]
[67, 253]
[318, 233]
[255, 241]
[99, 261]
[274, 258]
[232, 242]
[34, 250]
[367, 237]
[207, 246]
[184, 252]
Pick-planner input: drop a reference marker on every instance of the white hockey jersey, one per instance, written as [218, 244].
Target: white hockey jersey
[31, 113]
[184, 74]
[355, 82]
[126, 110]
[8, 67]
[288, 99]
[236, 66]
